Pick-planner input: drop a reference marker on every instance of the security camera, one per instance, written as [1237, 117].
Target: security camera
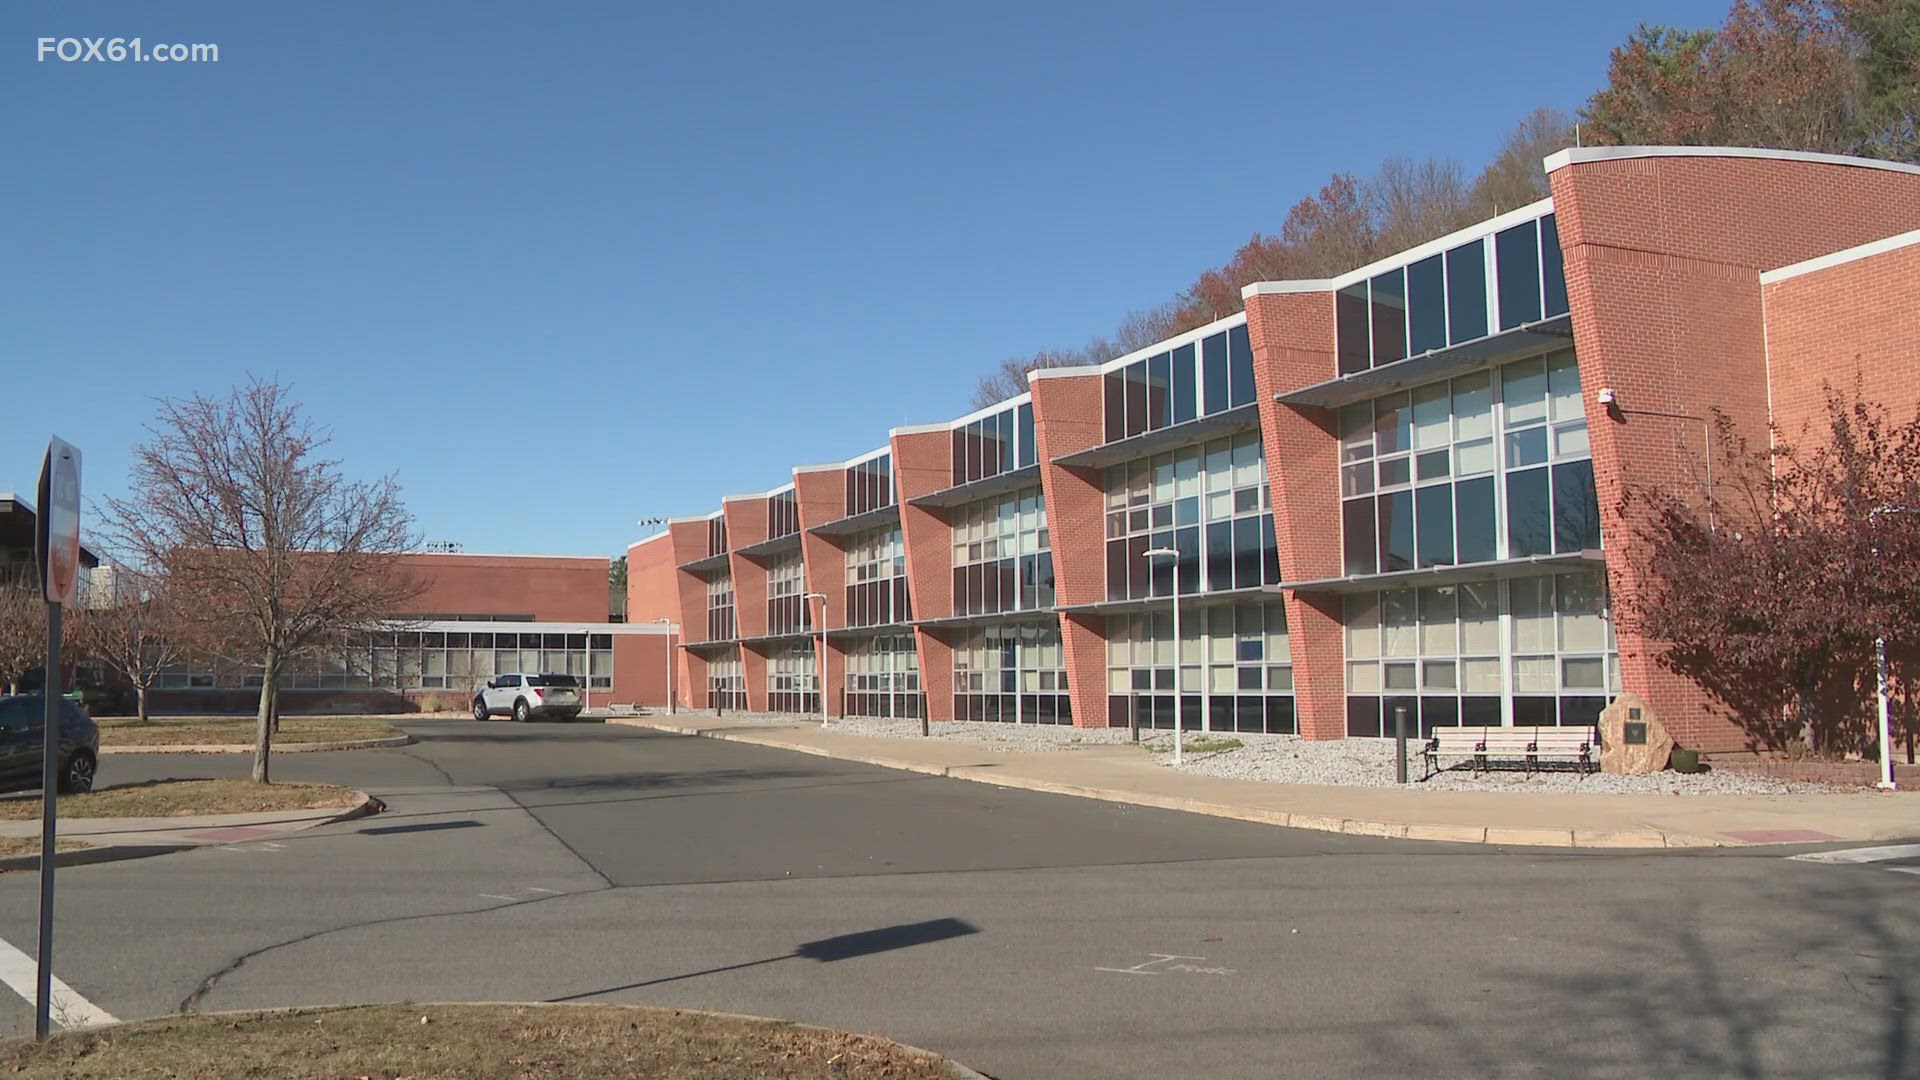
[1606, 396]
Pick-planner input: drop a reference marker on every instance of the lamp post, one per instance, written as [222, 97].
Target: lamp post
[669, 625]
[1880, 665]
[1170, 553]
[822, 597]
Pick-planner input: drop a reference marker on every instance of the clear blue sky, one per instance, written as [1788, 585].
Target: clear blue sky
[564, 266]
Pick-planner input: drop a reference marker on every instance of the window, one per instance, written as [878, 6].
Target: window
[1538, 650]
[1488, 466]
[876, 592]
[783, 515]
[793, 678]
[1236, 669]
[1207, 502]
[726, 683]
[1011, 674]
[720, 624]
[1002, 557]
[788, 612]
[999, 442]
[870, 485]
[883, 677]
[716, 535]
[1180, 384]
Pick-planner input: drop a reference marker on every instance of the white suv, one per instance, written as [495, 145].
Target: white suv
[523, 697]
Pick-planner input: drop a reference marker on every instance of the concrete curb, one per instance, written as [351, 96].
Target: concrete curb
[1503, 836]
[960, 1072]
[104, 853]
[278, 748]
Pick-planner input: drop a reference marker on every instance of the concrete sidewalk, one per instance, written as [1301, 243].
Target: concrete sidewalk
[1124, 774]
[126, 838]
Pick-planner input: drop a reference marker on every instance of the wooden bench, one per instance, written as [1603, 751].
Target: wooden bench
[1526, 745]
[624, 710]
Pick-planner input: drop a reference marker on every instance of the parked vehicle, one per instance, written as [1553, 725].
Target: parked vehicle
[524, 696]
[22, 722]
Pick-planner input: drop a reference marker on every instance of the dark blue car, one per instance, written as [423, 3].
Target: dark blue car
[22, 719]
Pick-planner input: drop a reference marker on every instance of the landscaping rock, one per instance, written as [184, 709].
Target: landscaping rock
[1633, 741]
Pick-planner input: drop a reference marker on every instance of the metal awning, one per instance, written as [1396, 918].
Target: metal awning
[1532, 566]
[1159, 603]
[1186, 433]
[701, 566]
[998, 484]
[1553, 333]
[961, 622]
[858, 523]
[770, 639]
[720, 643]
[776, 546]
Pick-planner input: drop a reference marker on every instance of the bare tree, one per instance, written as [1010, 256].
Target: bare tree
[271, 552]
[1414, 201]
[23, 628]
[139, 631]
[1514, 178]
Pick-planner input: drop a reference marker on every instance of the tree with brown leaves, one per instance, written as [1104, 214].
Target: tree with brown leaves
[267, 550]
[23, 629]
[138, 632]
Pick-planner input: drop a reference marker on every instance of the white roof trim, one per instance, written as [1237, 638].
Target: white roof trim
[1842, 257]
[833, 467]
[997, 407]
[483, 626]
[648, 540]
[919, 429]
[1174, 342]
[691, 520]
[1284, 288]
[1576, 155]
[1476, 231]
[1076, 371]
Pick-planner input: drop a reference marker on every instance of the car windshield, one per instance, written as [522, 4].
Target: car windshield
[553, 680]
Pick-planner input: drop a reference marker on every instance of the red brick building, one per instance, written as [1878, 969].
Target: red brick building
[1392, 488]
[478, 615]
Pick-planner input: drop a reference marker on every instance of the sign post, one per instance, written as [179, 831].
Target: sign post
[57, 544]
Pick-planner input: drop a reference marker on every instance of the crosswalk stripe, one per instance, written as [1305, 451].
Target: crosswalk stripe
[1861, 855]
[69, 1009]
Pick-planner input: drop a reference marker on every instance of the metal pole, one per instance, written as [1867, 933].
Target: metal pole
[1886, 727]
[671, 700]
[1133, 716]
[1399, 744]
[1179, 720]
[49, 786]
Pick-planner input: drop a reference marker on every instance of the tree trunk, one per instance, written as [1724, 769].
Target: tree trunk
[273, 704]
[263, 729]
[140, 694]
[1809, 692]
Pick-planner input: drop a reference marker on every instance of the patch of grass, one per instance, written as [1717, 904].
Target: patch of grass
[1193, 744]
[174, 798]
[463, 1042]
[238, 730]
[30, 845]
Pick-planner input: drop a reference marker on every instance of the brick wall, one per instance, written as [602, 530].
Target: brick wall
[821, 496]
[549, 589]
[1070, 416]
[922, 465]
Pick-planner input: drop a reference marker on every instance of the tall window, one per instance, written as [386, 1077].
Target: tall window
[877, 579]
[999, 442]
[1493, 465]
[1526, 651]
[716, 535]
[418, 660]
[1236, 669]
[1011, 674]
[793, 679]
[783, 515]
[720, 623]
[870, 485]
[1209, 503]
[883, 676]
[726, 683]
[1002, 557]
[787, 610]
[1508, 280]
[1196, 379]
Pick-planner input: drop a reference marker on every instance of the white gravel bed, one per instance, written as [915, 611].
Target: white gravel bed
[991, 736]
[1288, 759]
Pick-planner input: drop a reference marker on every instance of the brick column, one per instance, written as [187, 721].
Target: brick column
[1069, 416]
[1290, 325]
[820, 493]
[923, 464]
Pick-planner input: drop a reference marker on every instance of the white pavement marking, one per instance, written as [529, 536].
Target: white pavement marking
[1861, 855]
[70, 1010]
[1904, 869]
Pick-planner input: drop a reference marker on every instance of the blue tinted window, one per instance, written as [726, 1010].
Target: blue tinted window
[1029, 453]
[1241, 368]
[1359, 541]
[1466, 292]
[1116, 400]
[1473, 507]
[1006, 442]
[1136, 397]
[1516, 254]
[1183, 384]
[1351, 327]
[1434, 510]
[1396, 532]
[1214, 359]
[1389, 301]
[1529, 515]
[1426, 306]
[1160, 391]
[1576, 507]
[1553, 268]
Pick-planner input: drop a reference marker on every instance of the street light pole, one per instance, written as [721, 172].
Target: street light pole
[822, 597]
[1880, 664]
[1170, 553]
[669, 626]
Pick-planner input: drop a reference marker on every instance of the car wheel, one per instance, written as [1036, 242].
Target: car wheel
[521, 712]
[480, 709]
[76, 774]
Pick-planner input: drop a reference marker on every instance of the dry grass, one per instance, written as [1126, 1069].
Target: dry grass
[463, 1042]
[174, 798]
[238, 730]
[11, 846]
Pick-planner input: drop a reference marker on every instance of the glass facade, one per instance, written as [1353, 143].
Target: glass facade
[788, 612]
[1002, 557]
[720, 624]
[1489, 466]
[870, 485]
[793, 678]
[419, 660]
[1525, 651]
[726, 683]
[1011, 674]
[1507, 280]
[1209, 503]
[883, 677]
[999, 442]
[783, 515]
[1196, 379]
[877, 580]
[1236, 669]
